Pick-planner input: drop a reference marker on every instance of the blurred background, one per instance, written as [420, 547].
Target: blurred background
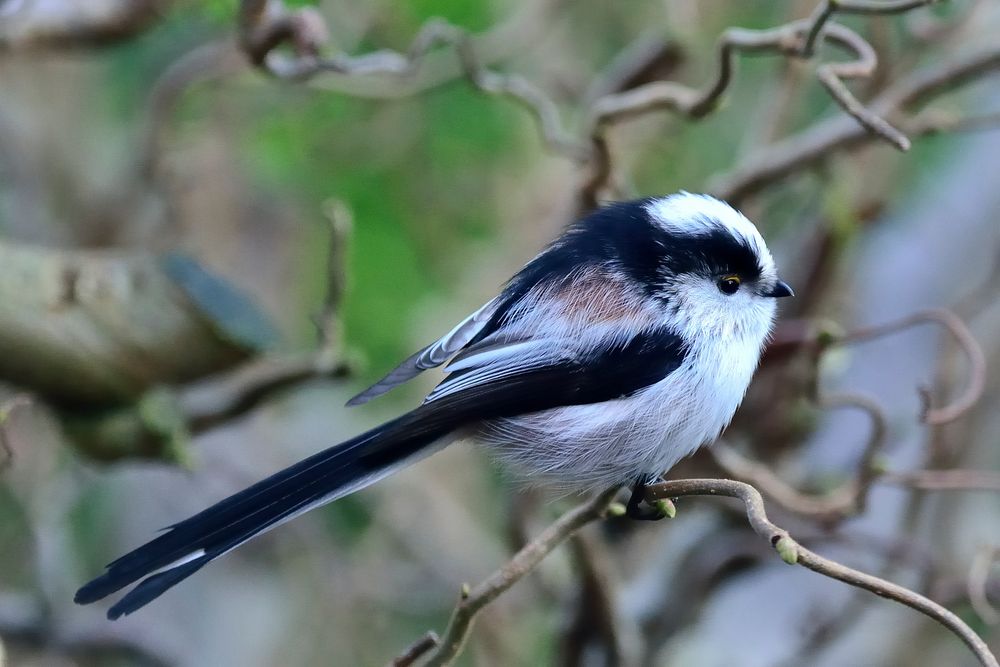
[205, 252]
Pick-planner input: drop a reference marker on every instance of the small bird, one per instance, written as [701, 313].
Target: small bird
[624, 346]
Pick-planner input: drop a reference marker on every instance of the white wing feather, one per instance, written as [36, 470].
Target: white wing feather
[431, 356]
[489, 361]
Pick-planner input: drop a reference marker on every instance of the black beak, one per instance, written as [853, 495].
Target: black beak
[780, 289]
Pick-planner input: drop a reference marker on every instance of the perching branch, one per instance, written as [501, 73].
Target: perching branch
[794, 553]
[474, 600]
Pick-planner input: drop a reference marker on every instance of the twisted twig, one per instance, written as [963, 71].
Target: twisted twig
[266, 25]
[970, 347]
[473, 600]
[821, 140]
[794, 553]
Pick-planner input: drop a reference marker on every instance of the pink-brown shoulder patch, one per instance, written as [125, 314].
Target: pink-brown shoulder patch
[598, 296]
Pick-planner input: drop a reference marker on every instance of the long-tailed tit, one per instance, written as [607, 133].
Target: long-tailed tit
[623, 347]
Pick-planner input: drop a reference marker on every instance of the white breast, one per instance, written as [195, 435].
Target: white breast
[616, 442]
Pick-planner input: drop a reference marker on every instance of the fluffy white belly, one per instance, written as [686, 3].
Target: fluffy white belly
[616, 442]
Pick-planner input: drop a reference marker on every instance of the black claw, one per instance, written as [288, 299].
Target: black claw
[638, 509]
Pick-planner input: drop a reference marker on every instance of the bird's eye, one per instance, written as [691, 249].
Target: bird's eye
[729, 284]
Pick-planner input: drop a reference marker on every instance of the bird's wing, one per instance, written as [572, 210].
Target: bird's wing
[520, 377]
[586, 296]
[433, 355]
[507, 387]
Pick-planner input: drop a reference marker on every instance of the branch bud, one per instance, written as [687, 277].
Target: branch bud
[788, 549]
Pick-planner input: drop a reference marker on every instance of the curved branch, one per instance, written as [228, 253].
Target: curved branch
[794, 553]
[797, 335]
[979, 577]
[832, 76]
[472, 601]
[966, 341]
[266, 24]
[828, 8]
[816, 143]
[848, 499]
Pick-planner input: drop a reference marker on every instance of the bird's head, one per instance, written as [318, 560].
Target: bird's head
[715, 274]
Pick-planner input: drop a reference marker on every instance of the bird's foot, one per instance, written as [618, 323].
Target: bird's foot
[640, 510]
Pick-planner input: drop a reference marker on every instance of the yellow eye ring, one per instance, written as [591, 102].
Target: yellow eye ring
[728, 284]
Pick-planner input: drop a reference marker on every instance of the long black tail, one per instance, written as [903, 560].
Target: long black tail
[188, 546]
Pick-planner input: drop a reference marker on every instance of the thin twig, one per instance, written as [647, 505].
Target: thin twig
[9, 407]
[328, 320]
[266, 24]
[216, 400]
[206, 62]
[867, 469]
[967, 342]
[828, 8]
[818, 142]
[416, 650]
[832, 76]
[798, 335]
[794, 553]
[594, 625]
[848, 499]
[979, 577]
[954, 479]
[434, 33]
[828, 507]
[34, 26]
[472, 601]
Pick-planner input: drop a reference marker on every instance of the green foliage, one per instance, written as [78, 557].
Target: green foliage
[15, 540]
[471, 15]
[409, 192]
[89, 527]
